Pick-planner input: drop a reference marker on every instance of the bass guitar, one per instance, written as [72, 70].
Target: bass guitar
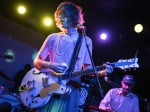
[38, 87]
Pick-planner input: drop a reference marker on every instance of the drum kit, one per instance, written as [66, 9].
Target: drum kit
[9, 101]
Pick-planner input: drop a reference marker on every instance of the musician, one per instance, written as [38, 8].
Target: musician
[18, 78]
[60, 47]
[121, 99]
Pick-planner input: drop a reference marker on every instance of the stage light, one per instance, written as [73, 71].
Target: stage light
[9, 56]
[21, 10]
[103, 36]
[47, 22]
[138, 28]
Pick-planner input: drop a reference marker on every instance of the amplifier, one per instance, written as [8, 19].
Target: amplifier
[83, 94]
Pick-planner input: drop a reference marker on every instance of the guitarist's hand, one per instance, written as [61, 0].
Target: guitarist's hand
[59, 68]
[108, 69]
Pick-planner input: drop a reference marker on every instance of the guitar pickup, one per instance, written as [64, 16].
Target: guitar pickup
[45, 82]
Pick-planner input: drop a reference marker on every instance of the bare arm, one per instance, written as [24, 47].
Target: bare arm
[40, 64]
[107, 69]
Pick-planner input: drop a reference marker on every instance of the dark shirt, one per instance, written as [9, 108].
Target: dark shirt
[18, 79]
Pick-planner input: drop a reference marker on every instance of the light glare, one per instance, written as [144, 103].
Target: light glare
[138, 28]
[103, 36]
[21, 10]
[48, 22]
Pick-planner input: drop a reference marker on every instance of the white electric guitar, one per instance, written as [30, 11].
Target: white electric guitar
[38, 87]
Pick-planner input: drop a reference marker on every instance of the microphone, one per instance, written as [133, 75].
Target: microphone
[106, 79]
[81, 29]
[110, 82]
[80, 26]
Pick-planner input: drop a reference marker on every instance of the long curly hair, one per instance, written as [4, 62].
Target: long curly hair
[71, 11]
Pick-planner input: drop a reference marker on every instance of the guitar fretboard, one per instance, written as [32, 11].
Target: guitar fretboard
[85, 72]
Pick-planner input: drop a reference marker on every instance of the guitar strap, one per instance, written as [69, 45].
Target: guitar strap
[75, 55]
[72, 64]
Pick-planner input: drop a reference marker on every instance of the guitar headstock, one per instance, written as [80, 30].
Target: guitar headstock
[127, 64]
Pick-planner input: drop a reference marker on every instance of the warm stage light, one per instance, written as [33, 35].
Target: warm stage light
[21, 10]
[47, 22]
[138, 28]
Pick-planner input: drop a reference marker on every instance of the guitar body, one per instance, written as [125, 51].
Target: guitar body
[37, 88]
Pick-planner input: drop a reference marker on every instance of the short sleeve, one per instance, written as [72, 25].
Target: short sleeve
[44, 51]
[87, 59]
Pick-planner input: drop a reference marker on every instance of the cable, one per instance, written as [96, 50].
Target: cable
[110, 82]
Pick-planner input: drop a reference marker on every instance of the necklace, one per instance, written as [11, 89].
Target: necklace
[60, 54]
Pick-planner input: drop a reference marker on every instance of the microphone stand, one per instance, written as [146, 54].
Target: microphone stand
[141, 98]
[82, 30]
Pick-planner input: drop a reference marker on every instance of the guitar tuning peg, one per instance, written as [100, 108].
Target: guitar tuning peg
[125, 70]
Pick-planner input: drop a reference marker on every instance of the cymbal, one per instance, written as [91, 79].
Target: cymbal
[4, 76]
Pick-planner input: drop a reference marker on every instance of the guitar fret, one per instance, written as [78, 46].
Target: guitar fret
[75, 74]
[98, 68]
[90, 71]
[86, 72]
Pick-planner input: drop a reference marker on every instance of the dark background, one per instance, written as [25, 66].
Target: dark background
[117, 17]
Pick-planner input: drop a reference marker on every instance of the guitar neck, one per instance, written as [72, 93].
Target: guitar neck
[88, 71]
[122, 64]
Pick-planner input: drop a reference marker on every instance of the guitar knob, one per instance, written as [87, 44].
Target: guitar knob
[32, 95]
[29, 104]
[61, 88]
[32, 101]
[36, 101]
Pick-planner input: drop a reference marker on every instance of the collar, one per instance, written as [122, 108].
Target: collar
[69, 34]
[128, 95]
